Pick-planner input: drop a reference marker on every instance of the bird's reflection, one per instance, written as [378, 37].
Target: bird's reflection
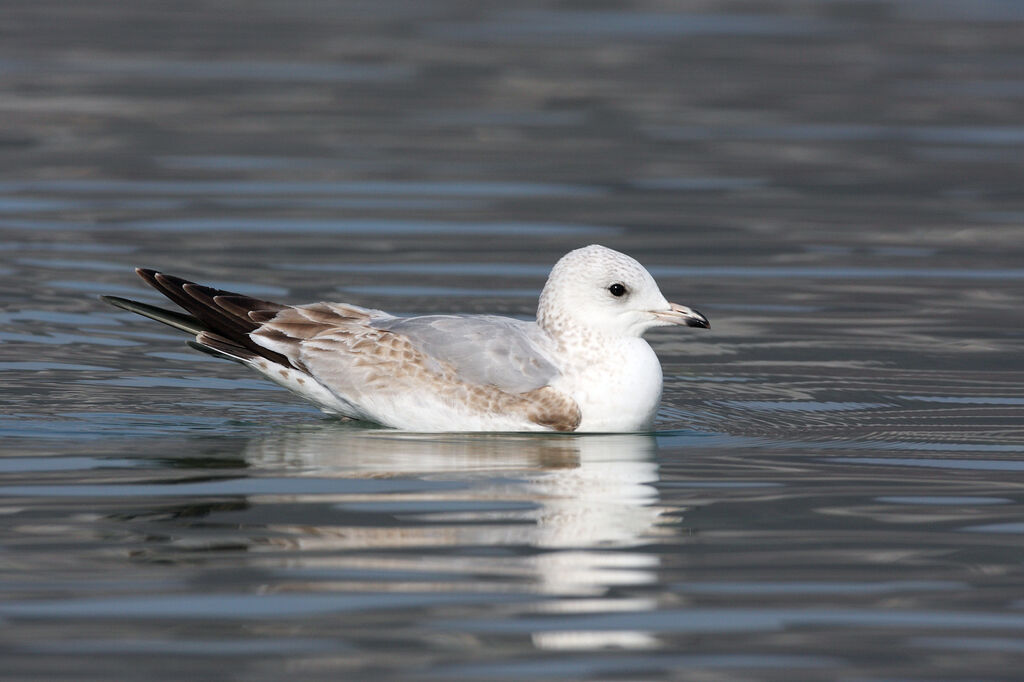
[562, 512]
[521, 523]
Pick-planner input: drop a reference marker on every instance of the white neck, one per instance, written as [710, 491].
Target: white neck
[615, 381]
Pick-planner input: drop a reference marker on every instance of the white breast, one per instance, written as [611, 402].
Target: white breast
[617, 386]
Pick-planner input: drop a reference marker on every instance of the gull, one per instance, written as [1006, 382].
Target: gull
[581, 366]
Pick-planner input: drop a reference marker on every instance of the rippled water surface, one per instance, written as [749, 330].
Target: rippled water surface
[833, 491]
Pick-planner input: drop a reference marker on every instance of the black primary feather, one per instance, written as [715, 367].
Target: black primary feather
[220, 320]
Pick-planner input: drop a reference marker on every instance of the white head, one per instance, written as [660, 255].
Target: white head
[607, 292]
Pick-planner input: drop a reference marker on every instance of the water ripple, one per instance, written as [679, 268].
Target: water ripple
[463, 188]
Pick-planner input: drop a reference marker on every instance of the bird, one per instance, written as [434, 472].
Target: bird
[581, 366]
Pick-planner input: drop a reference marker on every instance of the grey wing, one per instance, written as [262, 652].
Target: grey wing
[483, 349]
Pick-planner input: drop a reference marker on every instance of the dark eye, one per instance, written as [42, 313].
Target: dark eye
[617, 289]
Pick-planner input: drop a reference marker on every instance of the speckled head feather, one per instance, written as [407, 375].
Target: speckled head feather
[597, 290]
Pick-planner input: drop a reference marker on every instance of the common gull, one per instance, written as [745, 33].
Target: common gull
[581, 366]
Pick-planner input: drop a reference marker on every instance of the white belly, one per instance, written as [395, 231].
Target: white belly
[620, 391]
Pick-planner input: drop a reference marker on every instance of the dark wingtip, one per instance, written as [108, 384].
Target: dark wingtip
[118, 302]
[148, 275]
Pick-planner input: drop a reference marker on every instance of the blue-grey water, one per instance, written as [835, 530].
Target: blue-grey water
[835, 487]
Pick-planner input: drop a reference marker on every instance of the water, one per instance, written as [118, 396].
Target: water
[834, 489]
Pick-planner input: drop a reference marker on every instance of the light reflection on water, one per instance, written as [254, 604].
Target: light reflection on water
[836, 472]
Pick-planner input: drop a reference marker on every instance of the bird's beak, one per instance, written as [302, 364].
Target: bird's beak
[680, 314]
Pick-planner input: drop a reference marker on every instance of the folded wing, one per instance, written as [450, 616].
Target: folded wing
[483, 349]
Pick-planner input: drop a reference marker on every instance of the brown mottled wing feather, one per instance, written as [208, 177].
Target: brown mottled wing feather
[285, 331]
[548, 407]
[362, 363]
